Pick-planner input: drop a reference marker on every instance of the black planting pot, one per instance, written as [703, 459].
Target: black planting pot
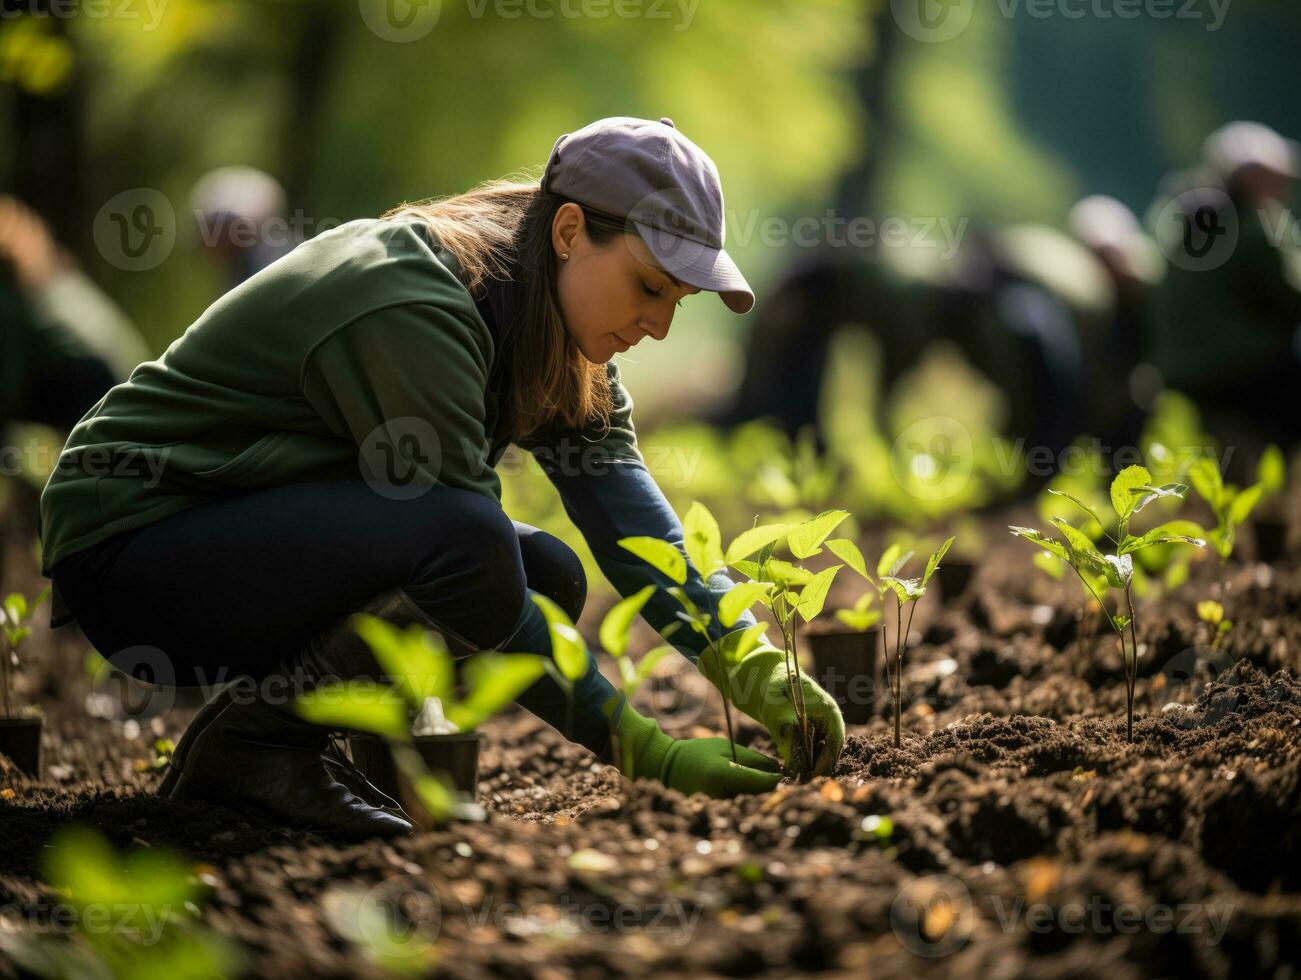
[20, 740]
[454, 756]
[1271, 538]
[955, 575]
[845, 664]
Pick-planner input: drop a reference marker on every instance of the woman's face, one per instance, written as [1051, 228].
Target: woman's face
[614, 296]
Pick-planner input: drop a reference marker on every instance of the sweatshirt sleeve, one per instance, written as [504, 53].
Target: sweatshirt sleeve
[609, 493]
[407, 384]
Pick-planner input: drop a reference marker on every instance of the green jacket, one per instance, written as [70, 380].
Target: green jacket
[311, 371]
[322, 367]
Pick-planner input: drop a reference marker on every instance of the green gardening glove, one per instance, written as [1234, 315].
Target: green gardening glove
[757, 685]
[690, 765]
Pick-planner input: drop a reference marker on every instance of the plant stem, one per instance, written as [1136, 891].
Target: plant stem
[4, 677]
[725, 682]
[802, 708]
[1131, 668]
[898, 667]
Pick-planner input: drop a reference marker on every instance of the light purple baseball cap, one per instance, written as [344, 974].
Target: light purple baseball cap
[665, 186]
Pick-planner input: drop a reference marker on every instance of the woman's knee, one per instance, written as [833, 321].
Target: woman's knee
[473, 556]
[553, 569]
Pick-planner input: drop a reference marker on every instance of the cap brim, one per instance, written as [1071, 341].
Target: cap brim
[698, 265]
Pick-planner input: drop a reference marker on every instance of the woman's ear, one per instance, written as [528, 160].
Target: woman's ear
[568, 229]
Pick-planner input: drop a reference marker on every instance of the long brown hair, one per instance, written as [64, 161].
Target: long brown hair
[501, 229]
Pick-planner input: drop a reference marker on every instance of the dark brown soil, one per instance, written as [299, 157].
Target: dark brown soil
[1026, 837]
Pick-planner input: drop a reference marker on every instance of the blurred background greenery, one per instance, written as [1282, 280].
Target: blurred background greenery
[804, 104]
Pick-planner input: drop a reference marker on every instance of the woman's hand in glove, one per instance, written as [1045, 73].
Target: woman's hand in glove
[690, 765]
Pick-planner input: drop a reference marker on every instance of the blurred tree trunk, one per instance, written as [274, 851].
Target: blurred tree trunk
[857, 187]
[311, 67]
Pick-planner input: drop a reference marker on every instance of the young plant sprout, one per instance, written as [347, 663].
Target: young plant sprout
[1131, 491]
[702, 541]
[1230, 506]
[14, 617]
[570, 658]
[421, 668]
[783, 587]
[906, 592]
[861, 617]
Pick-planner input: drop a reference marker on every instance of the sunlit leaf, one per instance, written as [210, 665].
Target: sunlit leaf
[659, 554]
[618, 621]
[748, 542]
[567, 647]
[814, 595]
[702, 539]
[1128, 479]
[805, 540]
[738, 599]
[933, 562]
[494, 680]
[848, 552]
[361, 704]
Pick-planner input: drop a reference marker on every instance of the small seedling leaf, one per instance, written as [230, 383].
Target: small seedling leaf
[494, 680]
[646, 666]
[1244, 502]
[618, 621]
[1271, 471]
[702, 539]
[933, 562]
[567, 647]
[1185, 532]
[860, 620]
[888, 558]
[906, 589]
[1204, 475]
[805, 540]
[1121, 569]
[737, 645]
[748, 542]
[1129, 479]
[660, 555]
[848, 552]
[1080, 504]
[416, 659]
[1050, 545]
[361, 704]
[738, 599]
[1210, 611]
[814, 595]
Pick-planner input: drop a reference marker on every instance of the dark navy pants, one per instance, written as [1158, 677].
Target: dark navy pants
[232, 587]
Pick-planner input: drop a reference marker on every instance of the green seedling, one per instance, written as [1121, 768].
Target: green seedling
[132, 916]
[15, 616]
[420, 667]
[1211, 613]
[1230, 505]
[783, 587]
[1131, 491]
[906, 592]
[702, 542]
[861, 617]
[570, 655]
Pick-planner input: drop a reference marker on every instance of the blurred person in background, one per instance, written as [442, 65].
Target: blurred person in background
[1028, 306]
[240, 214]
[63, 342]
[1225, 329]
[323, 440]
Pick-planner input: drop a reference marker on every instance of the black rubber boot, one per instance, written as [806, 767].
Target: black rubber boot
[255, 754]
